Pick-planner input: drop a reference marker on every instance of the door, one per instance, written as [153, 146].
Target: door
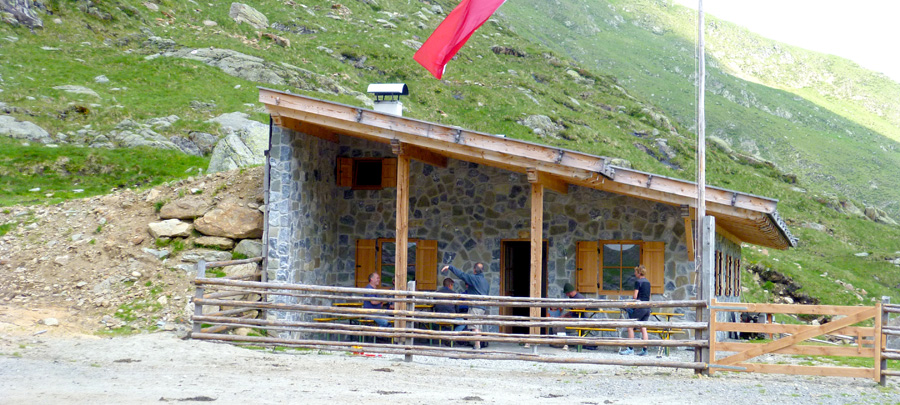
[515, 277]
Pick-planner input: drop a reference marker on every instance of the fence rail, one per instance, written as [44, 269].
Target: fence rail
[306, 316]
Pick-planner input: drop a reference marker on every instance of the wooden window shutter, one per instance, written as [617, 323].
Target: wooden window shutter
[345, 172]
[587, 266]
[426, 265]
[366, 261]
[389, 172]
[654, 259]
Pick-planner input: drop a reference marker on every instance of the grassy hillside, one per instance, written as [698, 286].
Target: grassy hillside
[526, 62]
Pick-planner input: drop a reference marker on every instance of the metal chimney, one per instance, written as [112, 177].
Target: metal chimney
[387, 97]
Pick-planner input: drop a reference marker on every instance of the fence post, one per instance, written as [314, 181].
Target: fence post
[198, 293]
[410, 286]
[880, 361]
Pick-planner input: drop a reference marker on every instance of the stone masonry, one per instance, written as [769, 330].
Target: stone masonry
[468, 208]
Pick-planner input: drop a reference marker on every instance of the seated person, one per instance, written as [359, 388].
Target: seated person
[374, 282]
[446, 288]
[570, 292]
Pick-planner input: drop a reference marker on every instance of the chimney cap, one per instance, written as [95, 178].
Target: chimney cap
[388, 89]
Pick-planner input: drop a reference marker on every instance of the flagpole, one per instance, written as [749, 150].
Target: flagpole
[701, 155]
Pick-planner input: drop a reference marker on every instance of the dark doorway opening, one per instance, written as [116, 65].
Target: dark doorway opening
[515, 277]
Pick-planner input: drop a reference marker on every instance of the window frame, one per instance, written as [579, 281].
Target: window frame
[602, 269]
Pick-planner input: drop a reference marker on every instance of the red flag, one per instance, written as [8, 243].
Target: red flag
[453, 33]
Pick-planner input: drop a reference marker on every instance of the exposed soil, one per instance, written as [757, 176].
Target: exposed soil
[82, 262]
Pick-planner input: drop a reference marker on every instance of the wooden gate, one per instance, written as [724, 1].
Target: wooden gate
[796, 340]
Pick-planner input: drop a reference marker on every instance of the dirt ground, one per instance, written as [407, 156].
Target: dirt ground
[159, 367]
[76, 273]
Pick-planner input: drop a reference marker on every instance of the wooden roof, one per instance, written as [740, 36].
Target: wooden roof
[746, 217]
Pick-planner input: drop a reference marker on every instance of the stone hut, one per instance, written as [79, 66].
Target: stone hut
[346, 186]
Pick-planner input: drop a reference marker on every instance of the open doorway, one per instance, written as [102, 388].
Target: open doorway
[515, 276]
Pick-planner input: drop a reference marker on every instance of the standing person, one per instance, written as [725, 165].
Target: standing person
[478, 285]
[447, 287]
[374, 282]
[641, 293]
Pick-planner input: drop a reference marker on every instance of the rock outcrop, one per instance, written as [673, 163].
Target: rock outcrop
[242, 13]
[16, 12]
[26, 130]
[230, 220]
[189, 207]
[244, 145]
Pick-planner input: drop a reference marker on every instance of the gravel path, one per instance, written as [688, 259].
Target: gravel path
[161, 368]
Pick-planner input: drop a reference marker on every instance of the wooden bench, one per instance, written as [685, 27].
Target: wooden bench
[664, 334]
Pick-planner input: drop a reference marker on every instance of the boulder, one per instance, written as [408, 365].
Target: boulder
[249, 247]
[242, 13]
[231, 221]
[26, 130]
[196, 255]
[131, 134]
[170, 228]
[240, 270]
[542, 125]
[77, 90]
[204, 141]
[190, 207]
[186, 145]
[216, 242]
[159, 254]
[22, 12]
[244, 145]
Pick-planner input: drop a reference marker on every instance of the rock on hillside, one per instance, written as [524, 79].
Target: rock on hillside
[95, 261]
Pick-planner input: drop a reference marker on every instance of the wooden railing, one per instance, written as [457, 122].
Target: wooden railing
[307, 317]
[868, 341]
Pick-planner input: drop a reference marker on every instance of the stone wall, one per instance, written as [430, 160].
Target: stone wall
[302, 222]
[468, 208]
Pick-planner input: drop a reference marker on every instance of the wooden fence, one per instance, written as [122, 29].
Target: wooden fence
[306, 316]
[332, 318]
[848, 322]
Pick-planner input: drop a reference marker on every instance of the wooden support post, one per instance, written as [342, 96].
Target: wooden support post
[881, 319]
[198, 294]
[410, 307]
[400, 264]
[712, 336]
[537, 228]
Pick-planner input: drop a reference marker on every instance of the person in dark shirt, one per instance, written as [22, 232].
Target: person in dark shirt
[446, 288]
[641, 293]
[478, 285]
[374, 282]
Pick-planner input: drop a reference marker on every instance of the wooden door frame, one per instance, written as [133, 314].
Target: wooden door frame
[502, 290]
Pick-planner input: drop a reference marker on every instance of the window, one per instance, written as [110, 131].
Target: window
[366, 173]
[607, 267]
[379, 255]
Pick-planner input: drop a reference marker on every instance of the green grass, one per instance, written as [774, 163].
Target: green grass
[491, 93]
[59, 172]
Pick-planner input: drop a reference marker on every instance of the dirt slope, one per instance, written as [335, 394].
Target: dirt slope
[83, 263]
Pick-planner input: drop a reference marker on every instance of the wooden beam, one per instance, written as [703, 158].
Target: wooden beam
[306, 128]
[858, 372]
[417, 153]
[769, 328]
[805, 350]
[537, 228]
[727, 235]
[547, 180]
[793, 308]
[829, 327]
[402, 235]
[689, 236]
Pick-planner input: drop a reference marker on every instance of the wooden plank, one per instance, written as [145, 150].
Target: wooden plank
[547, 180]
[426, 265]
[689, 236]
[808, 350]
[854, 372]
[366, 261]
[878, 345]
[727, 235]
[794, 308]
[418, 153]
[317, 131]
[859, 316]
[537, 228]
[770, 328]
